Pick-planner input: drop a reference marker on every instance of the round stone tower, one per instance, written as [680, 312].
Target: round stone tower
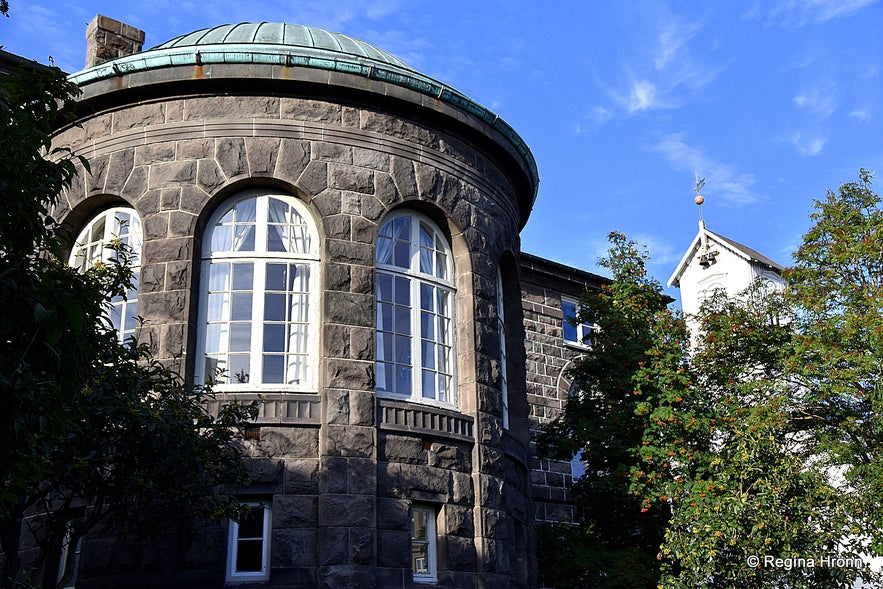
[324, 229]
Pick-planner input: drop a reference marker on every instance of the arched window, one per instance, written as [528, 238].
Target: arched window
[501, 327]
[415, 297]
[93, 245]
[257, 313]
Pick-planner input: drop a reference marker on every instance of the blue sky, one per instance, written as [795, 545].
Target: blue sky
[622, 103]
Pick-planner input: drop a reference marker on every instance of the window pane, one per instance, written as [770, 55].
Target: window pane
[276, 276]
[384, 316]
[384, 287]
[441, 265]
[428, 384]
[249, 556]
[213, 338]
[569, 331]
[274, 338]
[418, 525]
[274, 369]
[218, 306]
[222, 238]
[384, 346]
[427, 326]
[402, 291]
[426, 291]
[402, 229]
[403, 380]
[243, 240]
[240, 337]
[403, 320]
[297, 368]
[219, 277]
[428, 355]
[403, 349]
[241, 307]
[274, 307]
[384, 249]
[130, 318]
[238, 368]
[243, 276]
[402, 254]
[252, 524]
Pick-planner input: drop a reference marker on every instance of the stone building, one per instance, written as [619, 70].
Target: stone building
[323, 228]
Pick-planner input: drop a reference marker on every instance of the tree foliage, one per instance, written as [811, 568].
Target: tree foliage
[762, 441]
[602, 422]
[83, 419]
[837, 286]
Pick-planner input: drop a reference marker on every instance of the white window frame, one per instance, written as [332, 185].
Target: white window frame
[88, 252]
[233, 539]
[431, 543]
[415, 279]
[69, 558]
[260, 258]
[501, 327]
[583, 330]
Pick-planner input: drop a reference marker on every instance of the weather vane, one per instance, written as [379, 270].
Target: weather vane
[699, 199]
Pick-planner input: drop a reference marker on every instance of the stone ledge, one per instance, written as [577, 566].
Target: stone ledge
[276, 408]
[423, 419]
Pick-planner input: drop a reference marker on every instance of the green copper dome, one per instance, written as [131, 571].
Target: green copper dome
[315, 41]
[297, 46]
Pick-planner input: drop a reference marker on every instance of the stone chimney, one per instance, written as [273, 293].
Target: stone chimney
[108, 39]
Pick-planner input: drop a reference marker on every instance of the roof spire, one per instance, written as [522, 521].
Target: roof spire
[699, 199]
[706, 257]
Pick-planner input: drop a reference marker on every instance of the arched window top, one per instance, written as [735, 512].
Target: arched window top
[411, 243]
[93, 245]
[261, 224]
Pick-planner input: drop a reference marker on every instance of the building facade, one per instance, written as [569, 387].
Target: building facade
[319, 227]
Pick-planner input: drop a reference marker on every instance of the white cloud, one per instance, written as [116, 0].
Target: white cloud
[807, 145]
[643, 96]
[820, 100]
[672, 42]
[799, 13]
[597, 117]
[861, 114]
[662, 72]
[722, 180]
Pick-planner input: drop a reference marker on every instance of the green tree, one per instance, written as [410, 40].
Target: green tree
[836, 285]
[616, 541]
[742, 470]
[83, 418]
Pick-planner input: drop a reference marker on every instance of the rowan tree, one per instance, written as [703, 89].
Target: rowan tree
[617, 536]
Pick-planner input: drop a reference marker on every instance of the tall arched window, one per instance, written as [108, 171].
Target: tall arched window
[93, 246]
[257, 313]
[415, 297]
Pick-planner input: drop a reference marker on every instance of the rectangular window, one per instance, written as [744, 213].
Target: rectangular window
[248, 546]
[423, 545]
[579, 334]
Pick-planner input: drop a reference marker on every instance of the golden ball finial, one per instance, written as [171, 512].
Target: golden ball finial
[699, 199]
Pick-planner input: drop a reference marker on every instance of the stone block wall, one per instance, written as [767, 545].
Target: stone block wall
[341, 466]
[548, 357]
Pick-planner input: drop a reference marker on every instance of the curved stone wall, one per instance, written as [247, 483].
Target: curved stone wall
[341, 466]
